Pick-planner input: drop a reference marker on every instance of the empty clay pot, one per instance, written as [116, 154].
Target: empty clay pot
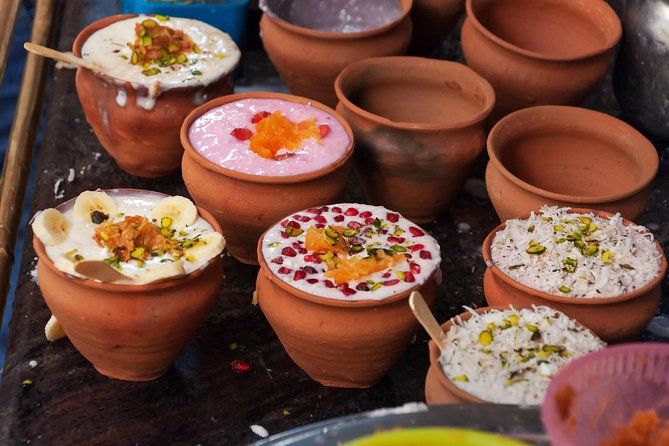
[570, 157]
[246, 205]
[433, 20]
[144, 143]
[309, 59]
[339, 343]
[537, 52]
[129, 332]
[419, 126]
[613, 319]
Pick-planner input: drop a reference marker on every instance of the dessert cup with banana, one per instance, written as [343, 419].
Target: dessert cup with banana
[128, 275]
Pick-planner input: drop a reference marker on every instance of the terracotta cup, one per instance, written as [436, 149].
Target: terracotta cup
[129, 332]
[613, 319]
[419, 126]
[568, 156]
[309, 60]
[439, 389]
[538, 52]
[433, 20]
[144, 143]
[340, 343]
[246, 205]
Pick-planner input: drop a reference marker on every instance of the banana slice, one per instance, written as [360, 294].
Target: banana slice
[53, 330]
[51, 227]
[91, 201]
[209, 246]
[180, 210]
[164, 271]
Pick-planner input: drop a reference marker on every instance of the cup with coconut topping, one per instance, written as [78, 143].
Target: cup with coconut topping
[154, 70]
[253, 158]
[128, 275]
[596, 267]
[504, 355]
[334, 283]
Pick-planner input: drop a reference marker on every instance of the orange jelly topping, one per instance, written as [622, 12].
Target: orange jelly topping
[343, 268]
[124, 237]
[276, 132]
[644, 429]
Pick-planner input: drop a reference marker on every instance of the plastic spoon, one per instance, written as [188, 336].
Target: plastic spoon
[99, 270]
[427, 320]
[60, 56]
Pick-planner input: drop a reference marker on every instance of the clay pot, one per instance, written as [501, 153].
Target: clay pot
[537, 52]
[246, 205]
[309, 60]
[419, 126]
[144, 143]
[433, 20]
[129, 332]
[612, 319]
[340, 343]
[568, 156]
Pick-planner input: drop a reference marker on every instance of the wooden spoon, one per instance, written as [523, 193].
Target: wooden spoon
[99, 270]
[60, 56]
[427, 320]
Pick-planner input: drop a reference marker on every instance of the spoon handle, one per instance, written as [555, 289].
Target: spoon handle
[427, 320]
[57, 55]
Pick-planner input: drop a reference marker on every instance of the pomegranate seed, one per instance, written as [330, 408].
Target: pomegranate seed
[329, 284]
[416, 232]
[425, 255]
[312, 259]
[309, 269]
[365, 214]
[277, 260]
[288, 252]
[294, 224]
[417, 247]
[238, 366]
[325, 130]
[302, 250]
[348, 291]
[351, 212]
[391, 282]
[408, 256]
[314, 211]
[339, 218]
[337, 210]
[320, 219]
[260, 116]
[284, 235]
[369, 221]
[284, 224]
[362, 286]
[299, 275]
[242, 134]
[409, 277]
[354, 224]
[325, 209]
[312, 281]
[284, 270]
[386, 275]
[302, 218]
[296, 245]
[392, 217]
[415, 268]
[319, 225]
[396, 240]
[342, 286]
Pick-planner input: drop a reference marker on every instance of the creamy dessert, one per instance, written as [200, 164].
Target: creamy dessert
[510, 356]
[350, 252]
[270, 137]
[576, 255]
[159, 53]
[143, 237]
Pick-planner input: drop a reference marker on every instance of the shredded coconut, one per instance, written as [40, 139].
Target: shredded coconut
[577, 255]
[509, 357]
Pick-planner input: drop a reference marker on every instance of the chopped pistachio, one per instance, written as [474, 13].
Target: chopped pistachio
[461, 378]
[565, 289]
[536, 249]
[485, 337]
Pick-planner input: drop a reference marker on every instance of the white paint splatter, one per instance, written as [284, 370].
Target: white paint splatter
[259, 430]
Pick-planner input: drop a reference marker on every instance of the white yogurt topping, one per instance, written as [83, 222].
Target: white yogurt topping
[576, 255]
[80, 237]
[509, 357]
[375, 228]
[108, 48]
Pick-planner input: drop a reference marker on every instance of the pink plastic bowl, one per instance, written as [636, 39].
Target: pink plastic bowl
[609, 386]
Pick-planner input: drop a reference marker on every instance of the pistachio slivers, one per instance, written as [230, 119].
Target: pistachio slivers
[536, 249]
[564, 289]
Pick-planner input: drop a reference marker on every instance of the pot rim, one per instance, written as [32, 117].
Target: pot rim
[286, 179]
[103, 22]
[590, 301]
[407, 6]
[612, 36]
[644, 144]
[325, 301]
[349, 70]
[40, 250]
[444, 380]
